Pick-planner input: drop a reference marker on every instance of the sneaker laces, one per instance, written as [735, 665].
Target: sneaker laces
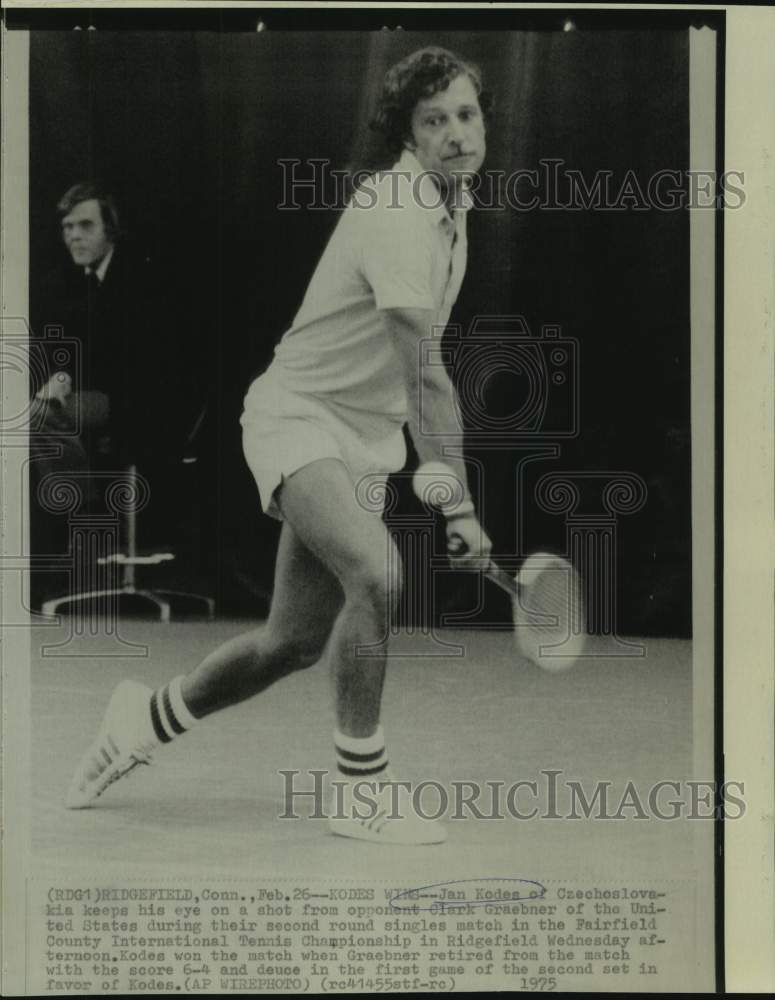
[107, 756]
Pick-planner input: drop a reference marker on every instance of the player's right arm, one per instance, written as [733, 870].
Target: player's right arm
[398, 263]
[434, 419]
[429, 390]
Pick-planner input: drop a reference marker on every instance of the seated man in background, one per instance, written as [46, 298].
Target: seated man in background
[104, 404]
[92, 302]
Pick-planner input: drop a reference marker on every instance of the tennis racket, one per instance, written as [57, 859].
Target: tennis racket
[546, 596]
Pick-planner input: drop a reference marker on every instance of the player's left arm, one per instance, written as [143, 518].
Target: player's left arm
[430, 391]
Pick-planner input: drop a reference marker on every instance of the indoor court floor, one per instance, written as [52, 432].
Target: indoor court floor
[211, 802]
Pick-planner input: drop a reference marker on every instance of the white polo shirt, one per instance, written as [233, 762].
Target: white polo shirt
[396, 245]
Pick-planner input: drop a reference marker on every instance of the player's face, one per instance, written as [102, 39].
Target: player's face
[84, 234]
[448, 132]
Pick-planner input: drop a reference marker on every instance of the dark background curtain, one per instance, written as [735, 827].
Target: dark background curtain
[187, 128]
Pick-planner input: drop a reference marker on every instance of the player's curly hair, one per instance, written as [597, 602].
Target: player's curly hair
[421, 74]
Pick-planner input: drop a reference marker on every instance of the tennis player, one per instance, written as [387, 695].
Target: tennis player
[328, 411]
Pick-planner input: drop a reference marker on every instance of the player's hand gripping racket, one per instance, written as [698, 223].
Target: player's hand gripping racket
[546, 595]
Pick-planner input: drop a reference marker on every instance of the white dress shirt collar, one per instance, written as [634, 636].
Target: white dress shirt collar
[102, 267]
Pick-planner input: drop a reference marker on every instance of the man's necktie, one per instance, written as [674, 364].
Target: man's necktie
[92, 283]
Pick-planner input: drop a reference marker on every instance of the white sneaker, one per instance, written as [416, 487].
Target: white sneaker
[125, 739]
[373, 814]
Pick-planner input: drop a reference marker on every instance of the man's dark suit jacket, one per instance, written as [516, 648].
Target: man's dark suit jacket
[126, 330]
[136, 348]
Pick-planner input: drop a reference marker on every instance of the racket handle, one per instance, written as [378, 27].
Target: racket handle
[457, 547]
[502, 579]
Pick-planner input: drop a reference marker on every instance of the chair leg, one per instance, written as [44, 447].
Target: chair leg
[50, 607]
[209, 602]
[161, 604]
[128, 576]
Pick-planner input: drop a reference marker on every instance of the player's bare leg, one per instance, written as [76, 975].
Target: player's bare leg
[306, 599]
[332, 550]
[138, 720]
[332, 560]
[356, 546]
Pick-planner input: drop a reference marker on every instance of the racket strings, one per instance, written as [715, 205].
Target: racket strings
[549, 614]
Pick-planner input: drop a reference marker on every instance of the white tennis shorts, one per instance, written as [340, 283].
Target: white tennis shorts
[284, 430]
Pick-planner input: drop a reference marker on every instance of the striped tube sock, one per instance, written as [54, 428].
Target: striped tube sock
[169, 714]
[360, 758]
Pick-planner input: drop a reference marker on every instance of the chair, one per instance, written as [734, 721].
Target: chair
[124, 499]
[129, 561]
